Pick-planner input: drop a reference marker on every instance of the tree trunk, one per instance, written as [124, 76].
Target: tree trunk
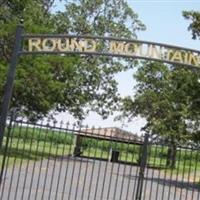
[171, 156]
[77, 146]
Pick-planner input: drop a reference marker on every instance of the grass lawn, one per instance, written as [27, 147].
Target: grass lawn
[21, 151]
[34, 143]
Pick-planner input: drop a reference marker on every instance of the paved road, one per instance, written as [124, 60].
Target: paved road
[71, 179]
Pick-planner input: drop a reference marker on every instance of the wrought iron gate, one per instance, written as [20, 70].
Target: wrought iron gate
[51, 161]
[59, 161]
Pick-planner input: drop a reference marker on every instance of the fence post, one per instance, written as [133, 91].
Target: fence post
[143, 162]
[12, 117]
[10, 82]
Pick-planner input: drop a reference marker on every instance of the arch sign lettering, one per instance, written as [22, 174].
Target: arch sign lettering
[110, 46]
[90, 45]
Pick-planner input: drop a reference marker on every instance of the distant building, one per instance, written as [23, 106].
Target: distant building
[113, 132]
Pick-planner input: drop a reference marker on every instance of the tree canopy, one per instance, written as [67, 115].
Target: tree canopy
[65, 83]
[194, 26]
[167, 97]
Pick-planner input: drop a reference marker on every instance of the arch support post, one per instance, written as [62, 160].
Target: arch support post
[10, 82]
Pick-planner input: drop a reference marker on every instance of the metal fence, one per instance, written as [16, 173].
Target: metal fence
[59, 161]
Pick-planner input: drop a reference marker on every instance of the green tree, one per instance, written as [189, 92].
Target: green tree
[194, 26]
[167, 97]
[65, 83]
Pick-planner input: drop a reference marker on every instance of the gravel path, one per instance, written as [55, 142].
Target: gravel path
[83, 179]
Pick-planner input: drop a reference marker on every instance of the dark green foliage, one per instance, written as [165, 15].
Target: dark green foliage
[194, 27]
[167, 97]
[42, 134]
[104, 145]
[75, 84]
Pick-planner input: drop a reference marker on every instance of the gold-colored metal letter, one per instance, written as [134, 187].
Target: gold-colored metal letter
[34, 44]
[131, 48]
[76, 45]
[154, 52]
[193, 59]
[90, 45]
[177, 56]
[116, 47]
[198, 58]
[49, 44]
[63, 44]
[186, 56]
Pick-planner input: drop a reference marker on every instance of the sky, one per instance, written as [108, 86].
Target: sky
[165, 24]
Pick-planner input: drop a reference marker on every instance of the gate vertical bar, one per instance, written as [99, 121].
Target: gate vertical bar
[6, 147]
[143, 162]
[10, 81]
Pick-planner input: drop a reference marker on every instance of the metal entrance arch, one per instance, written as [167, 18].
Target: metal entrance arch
[88, 45]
